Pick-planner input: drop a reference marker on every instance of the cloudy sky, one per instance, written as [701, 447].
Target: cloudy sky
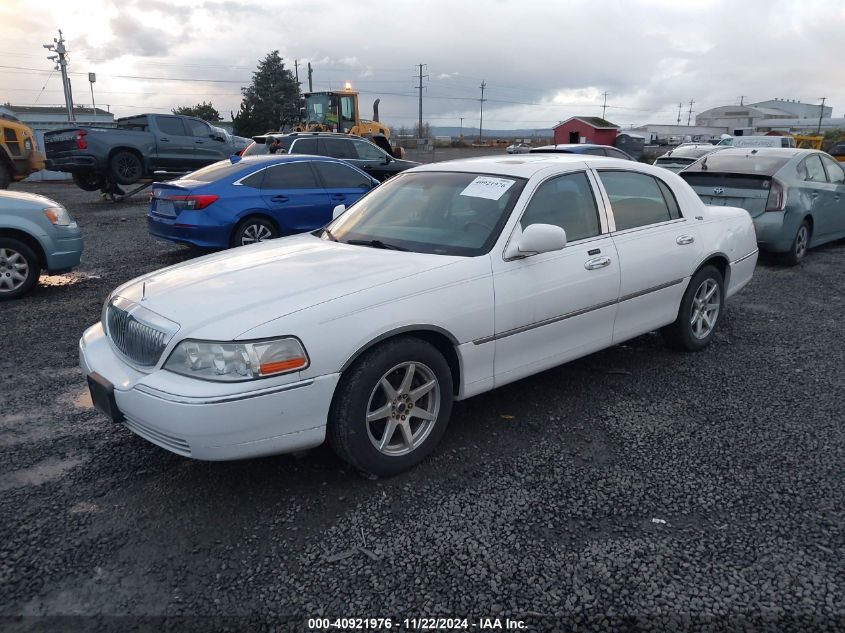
[542, 60]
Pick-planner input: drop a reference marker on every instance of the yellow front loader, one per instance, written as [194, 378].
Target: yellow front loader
[338, 111]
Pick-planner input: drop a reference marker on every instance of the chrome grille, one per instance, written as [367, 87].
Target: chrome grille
[138, 337]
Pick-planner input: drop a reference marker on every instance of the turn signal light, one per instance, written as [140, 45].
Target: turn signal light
[276, 367]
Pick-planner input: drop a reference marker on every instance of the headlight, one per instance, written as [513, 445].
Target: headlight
[232, 362]
[58, 216]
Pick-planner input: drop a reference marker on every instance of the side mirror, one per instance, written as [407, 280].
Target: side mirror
[387, 159]
[338, 211]
[536, 239]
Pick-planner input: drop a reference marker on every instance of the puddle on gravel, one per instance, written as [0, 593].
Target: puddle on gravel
[83, 400]
[40, 473]
[68, 279]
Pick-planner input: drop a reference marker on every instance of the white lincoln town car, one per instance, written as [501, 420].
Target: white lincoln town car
[447, 281]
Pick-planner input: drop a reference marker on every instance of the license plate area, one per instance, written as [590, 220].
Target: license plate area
[163, 207]
[102, 396]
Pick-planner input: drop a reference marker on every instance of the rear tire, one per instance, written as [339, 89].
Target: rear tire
[19, 268]
[126, 168]
[800, 245]
[5, 176]
[88, 180]
[700, 312]
[391, 407]
[253, 230]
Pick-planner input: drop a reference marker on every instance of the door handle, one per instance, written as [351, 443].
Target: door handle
[814, 195]
[685, 239]
[597, 262]
[200, 142]
[338, 196]
[279, 198]
[166, 140]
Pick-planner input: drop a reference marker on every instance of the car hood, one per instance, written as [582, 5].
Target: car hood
[14, 198]
[226, 294]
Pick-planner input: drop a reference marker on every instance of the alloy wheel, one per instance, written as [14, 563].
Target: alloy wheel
[705, 308]
[13, 270]
[127, 167]
[403, 408]
[255, 233]
[801, 240]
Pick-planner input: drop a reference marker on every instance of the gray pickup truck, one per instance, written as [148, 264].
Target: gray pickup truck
[102, 158]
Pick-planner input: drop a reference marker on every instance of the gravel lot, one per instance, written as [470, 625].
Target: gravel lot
[636, 488]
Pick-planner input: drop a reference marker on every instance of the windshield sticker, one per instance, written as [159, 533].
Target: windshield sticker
[487, 187]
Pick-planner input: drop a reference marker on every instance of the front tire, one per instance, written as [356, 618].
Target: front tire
[19, 268]
[699, 313]
[253, 230]
[126, 168]
[800, 244]
[391, 407]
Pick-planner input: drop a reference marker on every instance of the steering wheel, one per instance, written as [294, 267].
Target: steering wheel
[469, 223]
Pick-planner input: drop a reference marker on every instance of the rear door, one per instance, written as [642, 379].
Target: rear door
[831, 220]
[343, 184]
[295, 198]
[658, 249]
[175, 145]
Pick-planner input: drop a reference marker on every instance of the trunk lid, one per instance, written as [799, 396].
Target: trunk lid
[161, 191]
[746, 191]
[61, 141]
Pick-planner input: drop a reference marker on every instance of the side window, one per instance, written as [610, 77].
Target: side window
[813, 170]
[198, 128]
[834, 170]
[11, 140]
[367, 151]
[304, 146]
[297, 175]
[670, 199]
[595, 151]
[254, 180]
[567, 202]
[337, 176]
[339, 148]
[636, 199]
[170, 125]
[615, 153]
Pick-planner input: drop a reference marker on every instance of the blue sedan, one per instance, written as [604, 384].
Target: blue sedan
[242, 201]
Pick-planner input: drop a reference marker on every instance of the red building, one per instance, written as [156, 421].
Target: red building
[592, 129]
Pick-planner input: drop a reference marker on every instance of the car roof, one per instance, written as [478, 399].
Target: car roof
[571, 146]
[260, 159]
[766, 151]
[525, 166]
[305, 134]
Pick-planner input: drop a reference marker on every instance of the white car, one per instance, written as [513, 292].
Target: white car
[447, 281]
[518, 148]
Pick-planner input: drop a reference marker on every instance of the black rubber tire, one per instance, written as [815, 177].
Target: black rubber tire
[88, 180]
[33, 273]
[5, 175]
[255, 221]
[795, 255]
[347, 432]
[679, 335]
[126, 167]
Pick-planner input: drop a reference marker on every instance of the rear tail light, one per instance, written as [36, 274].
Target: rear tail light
[81, 143]
[192, 203]
[777, 196]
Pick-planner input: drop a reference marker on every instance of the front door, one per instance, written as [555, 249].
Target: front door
[574, 137]
[207, 143]
[658, 250]
[371, 159]
[553, 307]
[175, 145]
[343, 184]
[831, 218]
[295, 199]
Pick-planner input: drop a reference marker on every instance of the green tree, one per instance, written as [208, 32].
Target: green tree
[271, 101]
[204, 111]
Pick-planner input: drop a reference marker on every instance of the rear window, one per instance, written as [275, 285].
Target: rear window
[740, 163]
[215, 171]
[138, 123]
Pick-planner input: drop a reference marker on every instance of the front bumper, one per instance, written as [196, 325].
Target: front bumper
[65, 250]
[207, 420]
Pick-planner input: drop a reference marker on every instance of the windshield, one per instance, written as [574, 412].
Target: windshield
[690, 152]
[316, 108]
[442, 213]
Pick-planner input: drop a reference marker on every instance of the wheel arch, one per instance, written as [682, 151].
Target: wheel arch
[29, 240]
[442, 340]
[721, 262]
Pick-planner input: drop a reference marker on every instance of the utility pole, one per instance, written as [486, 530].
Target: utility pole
[296, 71]
[461, 135]
[689, 116]
[680, 105]
[481, 120]
[742, 99]
[310, 84]
[604, 105]
[58, 47]
[420, 88]
[821, 114]
[92, 77]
